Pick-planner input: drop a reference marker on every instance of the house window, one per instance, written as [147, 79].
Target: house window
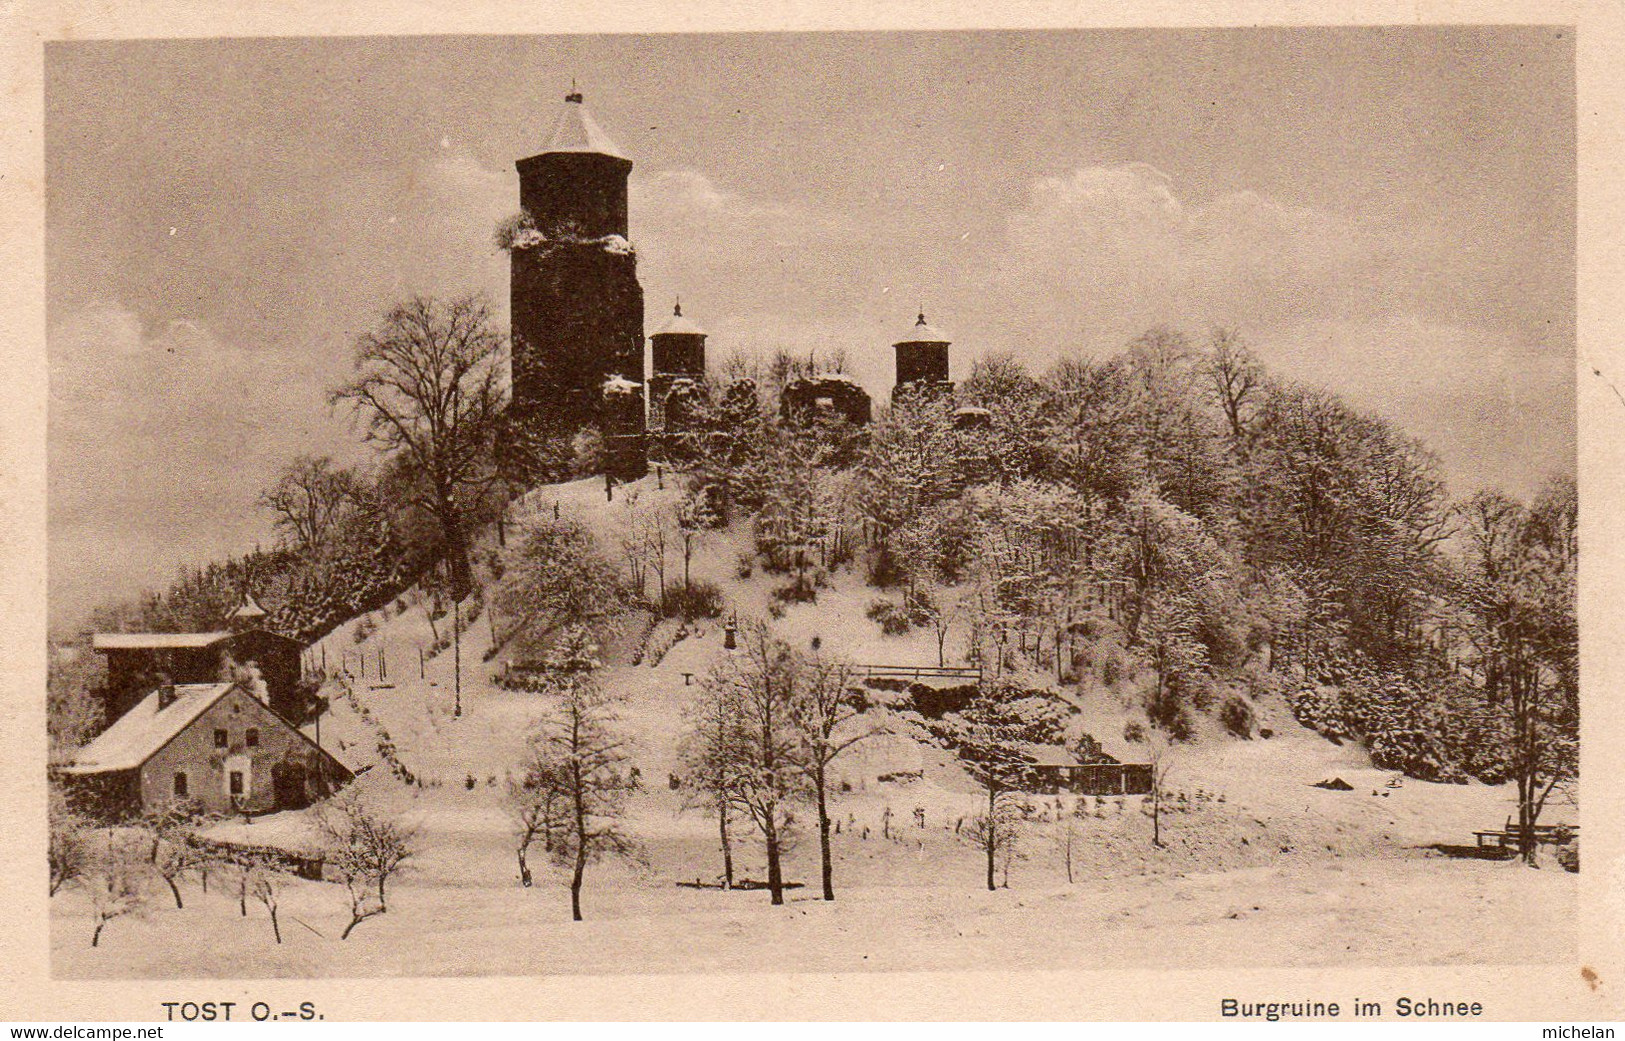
[220, 739]
[252, 738]
[180, 784]
[236, 782]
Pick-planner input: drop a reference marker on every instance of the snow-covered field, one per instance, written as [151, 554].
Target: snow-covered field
[1259, 868]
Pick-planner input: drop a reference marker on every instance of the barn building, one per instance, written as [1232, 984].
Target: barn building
[212, 747]
[577, 307]
[137, 662]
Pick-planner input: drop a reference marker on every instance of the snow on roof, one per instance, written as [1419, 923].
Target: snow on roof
[145, 729]
[971, 410]
[923, 333]
[618, 384]
[576, 131]
[154, 641]
[1049, 755]
[678, 325]
[833, 377]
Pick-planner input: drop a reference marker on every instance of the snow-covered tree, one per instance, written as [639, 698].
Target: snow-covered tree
[581, 758]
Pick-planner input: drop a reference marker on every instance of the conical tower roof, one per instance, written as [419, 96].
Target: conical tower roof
[249, 612]
[677, 325]
[923, 333]
[574, 130]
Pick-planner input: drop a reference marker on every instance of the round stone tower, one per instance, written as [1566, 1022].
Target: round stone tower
[922, 359]
[576, 303]
[678, 351]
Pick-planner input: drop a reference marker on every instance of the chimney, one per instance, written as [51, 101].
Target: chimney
[166, 692]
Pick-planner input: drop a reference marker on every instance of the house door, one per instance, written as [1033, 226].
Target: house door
[239, 781]
[289, 781]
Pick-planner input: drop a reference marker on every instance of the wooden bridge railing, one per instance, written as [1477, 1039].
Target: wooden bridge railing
[916, 673]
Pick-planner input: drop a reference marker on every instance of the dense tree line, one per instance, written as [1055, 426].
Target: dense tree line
[1174, 520]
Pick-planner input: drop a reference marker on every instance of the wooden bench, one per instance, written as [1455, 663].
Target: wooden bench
[1511, 834]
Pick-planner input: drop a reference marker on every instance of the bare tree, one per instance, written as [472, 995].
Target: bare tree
[67, 853]
[309, 499]
[365, 849]
[1517, 588]
[427, 383]
[1066, 840]
[694, 518]
[761, 685]
[1159, 750]
[824, 711]
[713, 759]
[533, 808]
[991, 743]
[116, 881]
[265, 885]
[1236, 380]
[582, 759]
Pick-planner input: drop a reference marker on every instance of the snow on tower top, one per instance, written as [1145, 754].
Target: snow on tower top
[248, 612]
[679, 326]
[576, 131]
[923, 333]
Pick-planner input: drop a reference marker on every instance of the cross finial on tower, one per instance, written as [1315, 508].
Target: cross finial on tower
[575, 95]
[922, 317]
[678, 309]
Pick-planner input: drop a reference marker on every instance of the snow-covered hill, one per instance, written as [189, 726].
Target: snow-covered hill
[1259, 863]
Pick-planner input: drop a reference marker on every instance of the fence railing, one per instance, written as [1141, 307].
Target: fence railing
[916, 673]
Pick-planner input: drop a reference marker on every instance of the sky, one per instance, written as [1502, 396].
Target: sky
[1389, 213]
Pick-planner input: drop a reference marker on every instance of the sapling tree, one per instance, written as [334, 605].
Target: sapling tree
[990, 737]
[714, 760]
[824, 712]
[533, 799]
[760, 681]
[116, 881]
[1159, 751]
[67, 852]
[581, 756]
[365, 848]
[265, 885]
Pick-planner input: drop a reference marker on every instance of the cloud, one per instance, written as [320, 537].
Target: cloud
[160, 441]
[1105, 252]
[1497, 415]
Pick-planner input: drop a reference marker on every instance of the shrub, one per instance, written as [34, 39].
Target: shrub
[745, 567]
[893, 619]
[1134, 731]
[881, 568]
[1237, 717]
[695, 600]
[800, 591]
[775, 609]
[1568, 855]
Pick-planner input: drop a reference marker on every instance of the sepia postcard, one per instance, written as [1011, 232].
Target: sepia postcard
[856, 512]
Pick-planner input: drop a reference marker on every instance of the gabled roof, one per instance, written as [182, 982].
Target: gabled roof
[576, 131]
[155, 641]
[146, 728]
[923, 333]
